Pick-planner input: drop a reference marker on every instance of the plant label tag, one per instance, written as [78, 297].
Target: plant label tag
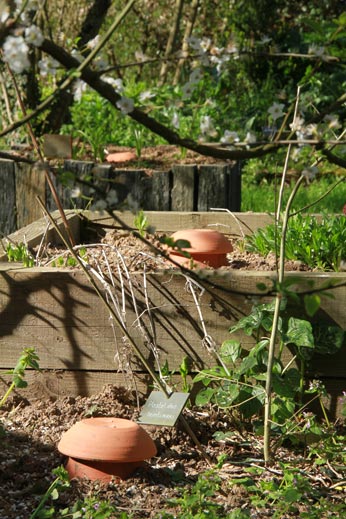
[57, 146]
[160, 409]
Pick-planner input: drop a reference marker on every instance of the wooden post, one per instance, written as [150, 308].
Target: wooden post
[219, 186]
[183, 193]
[30, 182]
[7, 198]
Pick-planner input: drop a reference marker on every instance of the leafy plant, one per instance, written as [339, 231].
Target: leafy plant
[141, 222]
[60, 482]
[28, 359]
[238, 384]
[317, 243]
[195, 503]
[19, 253]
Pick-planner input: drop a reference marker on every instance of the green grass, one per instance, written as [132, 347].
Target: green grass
[261, 196]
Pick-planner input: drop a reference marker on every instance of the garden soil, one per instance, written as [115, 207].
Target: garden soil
[31, 432]
[31, 429]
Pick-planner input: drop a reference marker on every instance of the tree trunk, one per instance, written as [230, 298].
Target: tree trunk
[188, 31]
[60, 110]
[171, 42]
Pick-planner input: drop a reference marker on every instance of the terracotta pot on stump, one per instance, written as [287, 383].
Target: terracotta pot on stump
[207, 248]
[100, 448]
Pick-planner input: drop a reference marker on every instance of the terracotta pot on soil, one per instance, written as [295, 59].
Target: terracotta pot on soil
[208, 247]
[99, 448]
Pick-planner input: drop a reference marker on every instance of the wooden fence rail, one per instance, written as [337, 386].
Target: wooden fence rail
[182, 188]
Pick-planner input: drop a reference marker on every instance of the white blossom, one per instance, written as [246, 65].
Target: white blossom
[206, 125]
[77, 55]
[100, 63]
[91, 44]
[125, 105]
[175, 120]
[5, 13]
[34, 36]
[250, 138]
[78, 90]
[310, 173]
[205, 44]
[195, 76]
[76, 192]
[298, 123]
[48, 66]
[140, 56]
[16, 53]
[276, 110]
[146, 95]
[332, 121]
[117, 84]
[195, 43]
[187, 90]
[317, 51]
[229, 137]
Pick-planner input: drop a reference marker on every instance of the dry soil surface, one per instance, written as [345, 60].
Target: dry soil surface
[31, 432]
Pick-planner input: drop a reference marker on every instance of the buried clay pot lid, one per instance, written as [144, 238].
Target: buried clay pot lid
[204, 241]
[107, 439]
[207, 246]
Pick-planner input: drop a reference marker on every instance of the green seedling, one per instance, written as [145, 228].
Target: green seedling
[19, 254]
[28, 359]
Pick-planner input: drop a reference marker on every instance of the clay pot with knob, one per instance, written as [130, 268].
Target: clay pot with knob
[207, 248]
[103, 447]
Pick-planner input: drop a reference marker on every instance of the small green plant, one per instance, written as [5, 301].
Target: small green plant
[28, 359]
[319, 244]
[60, 482]
[141, 222]
[238, 384]
[96, 137]
[139, 141]
[19, 254]
[88, 508]
[196, 502]
[69, 260]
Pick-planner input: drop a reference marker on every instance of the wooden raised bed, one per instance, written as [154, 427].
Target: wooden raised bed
[57, 312]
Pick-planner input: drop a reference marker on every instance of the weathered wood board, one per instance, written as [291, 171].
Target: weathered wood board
[58, 312]
[179, 188]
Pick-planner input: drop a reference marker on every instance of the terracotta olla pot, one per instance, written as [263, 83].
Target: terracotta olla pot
[99, 448]
[207, 247]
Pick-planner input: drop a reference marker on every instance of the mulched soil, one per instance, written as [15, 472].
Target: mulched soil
[31, 432]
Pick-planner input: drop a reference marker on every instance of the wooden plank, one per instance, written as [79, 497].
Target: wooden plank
[57, 312]
[7, 197]
[236, 224]
[49, 384]
[30, 182]
[33, 233]
[60, 383]
[183, 194]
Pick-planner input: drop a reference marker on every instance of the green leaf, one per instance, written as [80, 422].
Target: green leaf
[261, 286]
[231, 349]
[312, 303]
[55, 494]
[19, 382]
[182, 244]
[204, 396]
[299, 333]
[291, 495]
[247, 364]
[225, 398]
